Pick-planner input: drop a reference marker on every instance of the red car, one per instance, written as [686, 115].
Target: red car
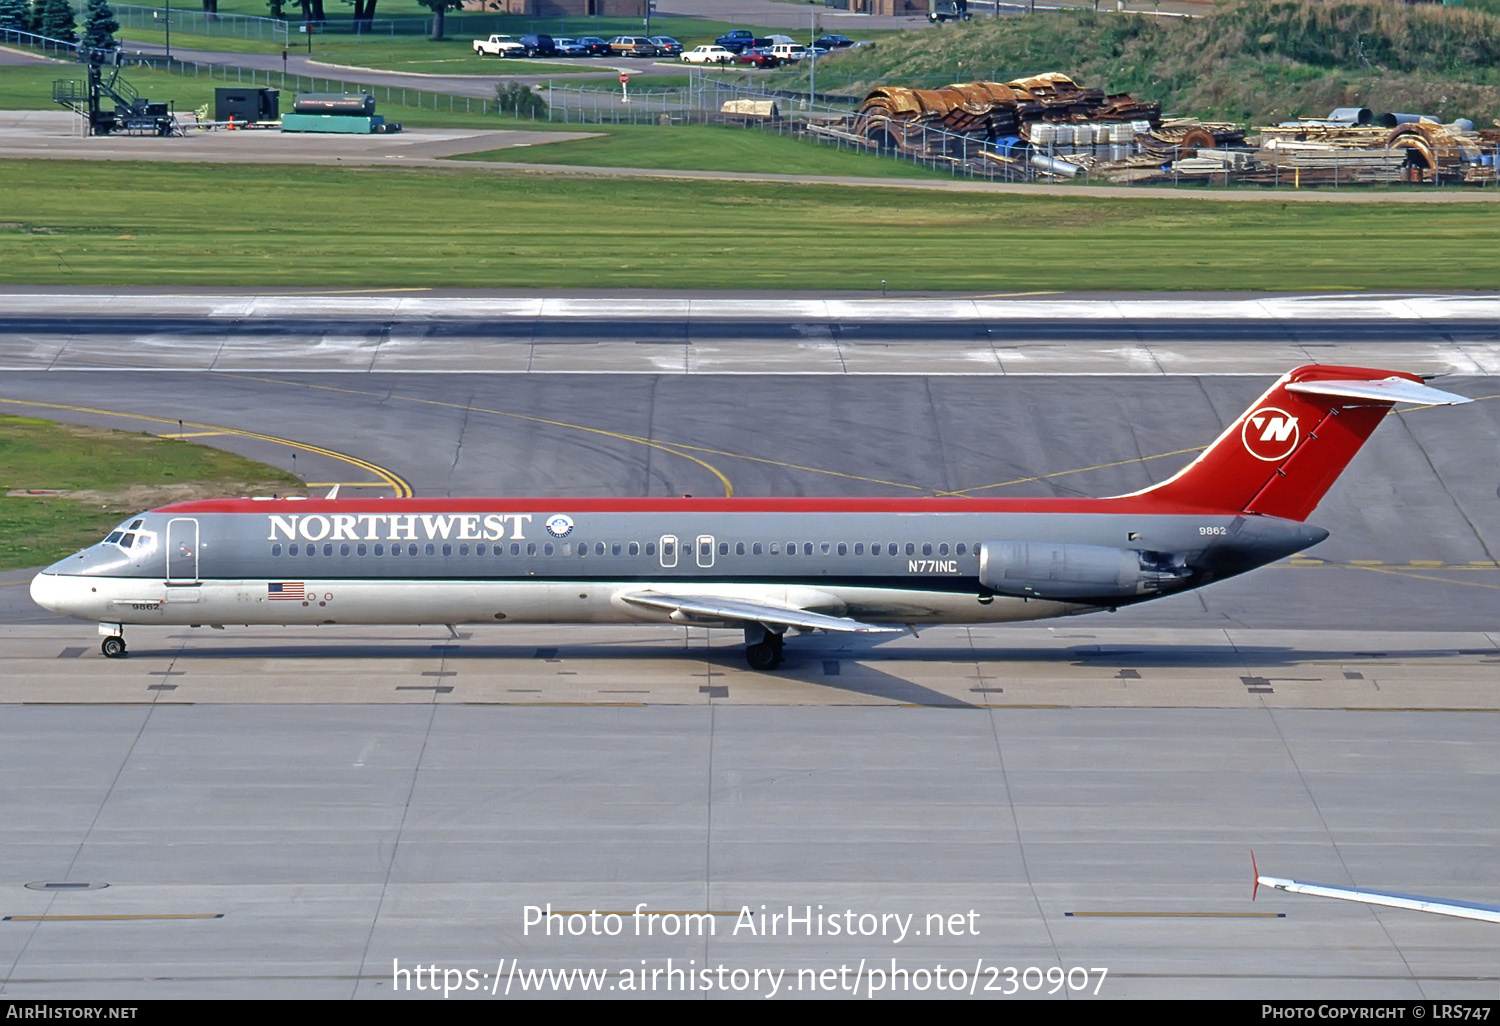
[757, 58]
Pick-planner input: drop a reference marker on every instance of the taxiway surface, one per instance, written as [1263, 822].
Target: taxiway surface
[296, 813]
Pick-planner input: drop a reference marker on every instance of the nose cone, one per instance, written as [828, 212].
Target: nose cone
[47, 590]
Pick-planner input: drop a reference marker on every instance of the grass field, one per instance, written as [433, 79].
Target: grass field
[88, 223]
[113, 474]
[708, 148]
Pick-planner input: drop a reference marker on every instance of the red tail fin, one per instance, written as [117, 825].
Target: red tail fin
[1282, 455]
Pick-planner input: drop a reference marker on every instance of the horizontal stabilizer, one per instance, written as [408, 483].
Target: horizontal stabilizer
[698, 607]
[1387, 390]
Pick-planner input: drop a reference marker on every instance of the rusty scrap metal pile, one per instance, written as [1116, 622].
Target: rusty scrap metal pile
[1051, 127]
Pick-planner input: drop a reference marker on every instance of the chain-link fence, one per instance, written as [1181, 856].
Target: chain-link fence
[1098, 153]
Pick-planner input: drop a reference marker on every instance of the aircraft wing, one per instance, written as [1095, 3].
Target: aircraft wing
[1462, 909]
[737, 610]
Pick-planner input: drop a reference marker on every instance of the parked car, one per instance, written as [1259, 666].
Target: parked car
[632, 46]
[758, 58]
[785, 52]
[740, 39]
[833, 42]
[498, 46]
[712, 54]
[569, 47]
[596, 46]
[539, 46]
[666, 46]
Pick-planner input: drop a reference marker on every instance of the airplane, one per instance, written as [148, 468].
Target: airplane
[763, 565]
[1415, 902]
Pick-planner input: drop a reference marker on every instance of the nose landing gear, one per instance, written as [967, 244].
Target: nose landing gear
[113, 645]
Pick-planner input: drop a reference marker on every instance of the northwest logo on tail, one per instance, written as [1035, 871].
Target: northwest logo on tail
[1270, 434]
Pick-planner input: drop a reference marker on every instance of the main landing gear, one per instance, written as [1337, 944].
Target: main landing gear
[113, 645]
[762, 648]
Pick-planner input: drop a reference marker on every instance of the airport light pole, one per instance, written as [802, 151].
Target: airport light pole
[168, 22]
[812, 55]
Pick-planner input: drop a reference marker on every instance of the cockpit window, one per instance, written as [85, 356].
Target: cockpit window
[115, 537]
[127, 541]
[134, 524]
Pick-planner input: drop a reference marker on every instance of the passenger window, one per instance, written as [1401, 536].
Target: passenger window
[547, 549]
[292, 550]
[807, 548]
[651, 548]
[755, 549]
[724, 548]
[276, 550]
[478, 549]
[344, 549]
[843, 549]
[431, 549]
[361, 549]
[411, 550]
[960, 549]
[515, 549]
[823, 548]
[598, 548]
[328, 548]
[669, 549]
[943, 549]
[614, 548]
[531, 548]
[775, 549]
[635, 548]
[739, 548]
[379, 550]
[567, 549]
[927, 548]
[859, 548]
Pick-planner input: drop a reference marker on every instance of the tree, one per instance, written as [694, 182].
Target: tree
[99, 26]
[14, 14]
[58, 20]
[364, 14]
[439, 8]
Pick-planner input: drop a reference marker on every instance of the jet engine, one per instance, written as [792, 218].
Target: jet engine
[1086, 573]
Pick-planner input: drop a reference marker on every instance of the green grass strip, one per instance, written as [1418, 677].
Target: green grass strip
[119, 223]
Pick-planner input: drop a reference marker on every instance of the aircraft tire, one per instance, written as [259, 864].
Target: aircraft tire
[762, 655]
[113, 647]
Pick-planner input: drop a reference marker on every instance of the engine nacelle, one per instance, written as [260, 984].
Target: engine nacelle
[1082, 573]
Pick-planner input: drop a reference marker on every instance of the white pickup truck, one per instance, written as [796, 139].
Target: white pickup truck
[499, 46]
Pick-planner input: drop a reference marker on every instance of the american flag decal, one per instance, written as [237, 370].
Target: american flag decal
[285, 590]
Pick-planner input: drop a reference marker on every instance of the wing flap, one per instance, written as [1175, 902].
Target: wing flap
[736, 610]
